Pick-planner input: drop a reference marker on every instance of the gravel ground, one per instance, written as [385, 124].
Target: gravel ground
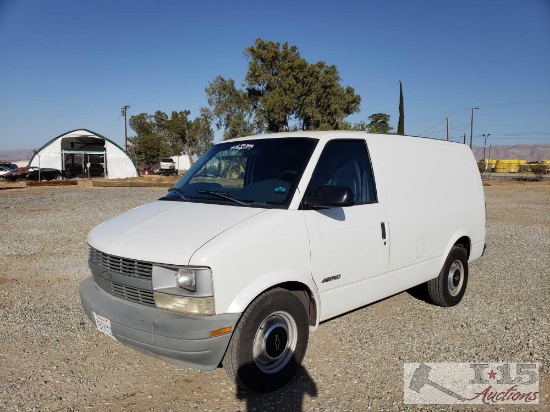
[52, 358]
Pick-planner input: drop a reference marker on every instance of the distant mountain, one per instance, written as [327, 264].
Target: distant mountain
[16, 155]
[529, 152]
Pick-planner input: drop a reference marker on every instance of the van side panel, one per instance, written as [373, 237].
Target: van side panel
[255, 255]
[433, 196]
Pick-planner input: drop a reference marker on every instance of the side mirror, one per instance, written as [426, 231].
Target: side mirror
[331, 196]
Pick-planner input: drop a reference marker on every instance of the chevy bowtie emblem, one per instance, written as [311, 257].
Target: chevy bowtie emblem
[106, 275]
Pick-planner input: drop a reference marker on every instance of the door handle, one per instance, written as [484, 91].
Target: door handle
[383, 227]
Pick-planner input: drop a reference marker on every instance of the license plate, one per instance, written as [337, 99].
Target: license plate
[103, 325]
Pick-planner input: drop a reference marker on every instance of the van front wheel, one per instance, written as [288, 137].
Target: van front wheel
[448, 288]
[269, 342]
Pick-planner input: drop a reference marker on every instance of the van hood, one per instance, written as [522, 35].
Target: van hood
[166, 231]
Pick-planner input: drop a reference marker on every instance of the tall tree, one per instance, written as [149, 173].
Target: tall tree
[200, 135]
[229, 108]
[149, 144]
[159, 136]
[192, 137]
[401, 123]
[178, 127]
[379, 123]
[274, 78]
[360, 126]
[282, 92]
[324, 103]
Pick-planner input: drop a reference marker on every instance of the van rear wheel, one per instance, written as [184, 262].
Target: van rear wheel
[449, 287]
[269, 342]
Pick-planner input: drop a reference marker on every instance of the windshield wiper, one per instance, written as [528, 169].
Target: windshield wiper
[179, 192]
[223, 195]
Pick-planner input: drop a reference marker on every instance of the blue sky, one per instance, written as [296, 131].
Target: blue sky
[73, 64]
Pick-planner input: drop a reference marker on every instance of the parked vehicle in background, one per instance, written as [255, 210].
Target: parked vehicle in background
[96, 169]
[11, 166]
[15, 175]
[45, 174]
[4, 170]
[145, 170]
[267, 236]
[33, 173]
[167, 166]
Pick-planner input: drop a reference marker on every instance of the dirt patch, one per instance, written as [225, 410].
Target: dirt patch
[505, 198]
[142, 181]
[53, 183]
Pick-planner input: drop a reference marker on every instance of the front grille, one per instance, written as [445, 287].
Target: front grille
[125, 267]
[128, 267]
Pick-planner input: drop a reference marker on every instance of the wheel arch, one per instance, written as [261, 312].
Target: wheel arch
[460, 238]
[466, 243]
[304, 289]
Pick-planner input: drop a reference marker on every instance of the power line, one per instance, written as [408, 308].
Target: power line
[432, 127]
[462, 125]
[456, 111]
[517, 103]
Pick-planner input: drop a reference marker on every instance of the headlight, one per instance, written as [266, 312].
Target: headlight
[183, 289]
[185, 304]
[185, 279]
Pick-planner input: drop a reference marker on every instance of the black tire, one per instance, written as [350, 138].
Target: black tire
[269, 342]
[448, 288]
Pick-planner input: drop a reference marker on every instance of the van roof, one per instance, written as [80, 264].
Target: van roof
[333, 134]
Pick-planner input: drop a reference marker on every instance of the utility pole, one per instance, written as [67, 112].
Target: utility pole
[123, 113]
[489, 158]
[484, 148]
[447, 129]
[472, 124]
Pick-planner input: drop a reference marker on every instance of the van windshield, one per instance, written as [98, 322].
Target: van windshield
[255, 173]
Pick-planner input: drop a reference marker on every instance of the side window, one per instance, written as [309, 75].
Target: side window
[345, 163]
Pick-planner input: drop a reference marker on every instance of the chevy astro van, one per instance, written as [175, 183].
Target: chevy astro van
[267, 236]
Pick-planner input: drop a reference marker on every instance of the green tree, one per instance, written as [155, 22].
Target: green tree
[178, 130]
[229, 108]
[274, 83]
[282, 92]
[401, 123]
[192, 137]
[360, 126]
[200, 135]
[379, 123]
[159, 136]
[324, 103]
[149, 144]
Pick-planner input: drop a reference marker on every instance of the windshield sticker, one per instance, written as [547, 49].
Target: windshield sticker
[243, 146]
[280, 189]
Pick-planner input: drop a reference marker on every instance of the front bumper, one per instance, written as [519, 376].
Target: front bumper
[176, 338]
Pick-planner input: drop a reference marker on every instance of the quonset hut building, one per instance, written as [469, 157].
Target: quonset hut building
[85, 153]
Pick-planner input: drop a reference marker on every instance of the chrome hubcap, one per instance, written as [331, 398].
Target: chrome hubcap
[455, 278]
[275, 342]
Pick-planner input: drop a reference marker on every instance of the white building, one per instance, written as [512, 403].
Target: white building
[85, 153]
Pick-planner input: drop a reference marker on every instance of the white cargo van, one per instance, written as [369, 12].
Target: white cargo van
[267, 236]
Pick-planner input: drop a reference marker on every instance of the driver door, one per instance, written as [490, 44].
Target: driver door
[349, 245]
